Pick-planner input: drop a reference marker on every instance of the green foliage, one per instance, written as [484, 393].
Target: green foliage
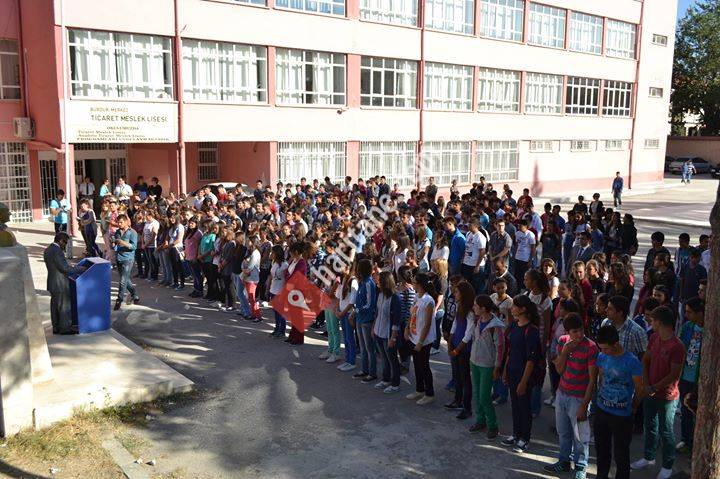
[696, 70]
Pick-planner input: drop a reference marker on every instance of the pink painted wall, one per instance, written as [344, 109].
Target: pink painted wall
[244, 162]
[9, 109]
[353, 81]
[151, 160]
[191, 166]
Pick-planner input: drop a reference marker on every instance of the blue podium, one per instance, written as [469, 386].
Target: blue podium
[90, 294]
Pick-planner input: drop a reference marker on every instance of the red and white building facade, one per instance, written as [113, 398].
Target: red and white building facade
[556, 95]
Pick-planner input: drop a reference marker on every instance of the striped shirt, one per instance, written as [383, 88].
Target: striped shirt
[575, 378]
[633, 337]
[407, 297]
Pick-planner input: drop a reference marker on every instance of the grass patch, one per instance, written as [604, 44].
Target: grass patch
[133, 443]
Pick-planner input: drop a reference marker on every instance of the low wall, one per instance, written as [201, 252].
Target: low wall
[706, 147]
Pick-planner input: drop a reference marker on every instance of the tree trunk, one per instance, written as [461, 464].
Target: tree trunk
[706, 446]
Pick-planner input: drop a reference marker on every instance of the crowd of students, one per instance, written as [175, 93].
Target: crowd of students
[520, 297]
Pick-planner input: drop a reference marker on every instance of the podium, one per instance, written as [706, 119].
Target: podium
[90, 295]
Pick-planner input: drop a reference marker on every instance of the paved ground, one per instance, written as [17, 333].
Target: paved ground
[272, 410]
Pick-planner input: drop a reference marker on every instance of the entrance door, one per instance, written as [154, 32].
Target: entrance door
[48, 179]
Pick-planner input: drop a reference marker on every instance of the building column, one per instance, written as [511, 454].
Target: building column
[271, 84]
[352, 9]
[35, 185]
[273, 170]
[353, 81]
[352, 163]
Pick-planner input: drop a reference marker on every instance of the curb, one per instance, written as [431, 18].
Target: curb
[690, 223]
[124, 460]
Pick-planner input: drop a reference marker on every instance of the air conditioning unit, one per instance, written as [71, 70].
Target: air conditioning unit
[24, 128]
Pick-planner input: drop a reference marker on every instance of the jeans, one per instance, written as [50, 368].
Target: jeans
[659, 419]
[60, 227]
[210, 272]
[500, 390]
[176, 264]
[617, 198]
[196, 275]
[124, 269]
[482, 380]
[535, 399]
[687, 418]
[368, 360]
[243, 304]
[333, 330]
[349, 340]
[141, 262]
[152, 262]
[423, 373]
[612, 437]
[554, 377]
[687, 176]
[566, 409]
[391, 364]
[166, 266]
[463, 385]
[438, 325]
[521, 414]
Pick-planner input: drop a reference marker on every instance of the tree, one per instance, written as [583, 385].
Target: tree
[696, 68]
[706, 444]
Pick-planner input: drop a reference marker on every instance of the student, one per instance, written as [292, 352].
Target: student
[456, 240]
[599, 314]
[407, 298]
[563, 308]
[420, 331]
[297, 266]
[524, 356]
[486, 336]
[643, 319]
[576, 363]
[346, 295]
[619, 391]
[657, 239]
[473, 263]
[525, 252]
[633, 338]
[365, 306]
[386, 330]
[504, 302]
[691, 337]
[277, 283]
[662, 366]
[459, 350]
[538, 292]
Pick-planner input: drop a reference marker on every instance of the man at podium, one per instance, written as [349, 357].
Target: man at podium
[58, 284]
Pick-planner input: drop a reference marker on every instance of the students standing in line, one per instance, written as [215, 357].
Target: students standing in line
[420, 331]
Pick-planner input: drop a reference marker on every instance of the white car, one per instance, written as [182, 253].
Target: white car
[701, 166]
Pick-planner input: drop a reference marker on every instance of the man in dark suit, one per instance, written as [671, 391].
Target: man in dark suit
[58, 285]
[584, 251]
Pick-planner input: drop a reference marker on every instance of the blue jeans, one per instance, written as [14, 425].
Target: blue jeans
[196, 274]
[348, 340]
[243, 304]
[280, 323]
[368, 360]
[659, 420]
[687, 176]
[536, 399]
[391, 364]
[124, 269]
[566, 409]
[500, 390]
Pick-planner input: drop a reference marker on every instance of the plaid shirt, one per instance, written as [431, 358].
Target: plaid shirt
[633, 337]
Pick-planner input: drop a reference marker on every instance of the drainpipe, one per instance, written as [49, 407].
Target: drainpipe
[636, 93]
[177, 67]
[421, 88]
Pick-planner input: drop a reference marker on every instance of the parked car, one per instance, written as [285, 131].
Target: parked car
[228, 185]
[668, 160]
[701, 166]
[715, 171]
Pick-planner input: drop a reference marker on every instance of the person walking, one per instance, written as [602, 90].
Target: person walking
[688, 170]
[617, 188]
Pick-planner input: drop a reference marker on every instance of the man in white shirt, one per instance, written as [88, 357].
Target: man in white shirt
[86, 190]
[525, 252]
[123, 191]
[473, 263]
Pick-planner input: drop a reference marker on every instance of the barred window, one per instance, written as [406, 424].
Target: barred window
[586, 33]
[498, 90]
[652, 143]
[388, 82]
[547, 25]
[446, 161]
[661, 40]
[450, 15]
[448, 87]
[620, 39]
[502, 19]
[542, 146]
[15, 180]
[614, 144]
[543, 93]
[582, 145]
[393, 159]
[496, 160]
[617, 98]
[311, 160]
[582, 97]
[329, 7]
[208, 161]
[398, 12]
[308, 77]
[656, 92]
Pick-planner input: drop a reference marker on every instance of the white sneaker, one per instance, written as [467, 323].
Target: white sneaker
[323, 356]
[348, 367]
[341, 366]
[664, 473]
[642, 464]
[550, 401]
[391, 389]
[382, 385]
[331, 359]
[679, 445]
[425, 400]
[520, 446]
[414, 396]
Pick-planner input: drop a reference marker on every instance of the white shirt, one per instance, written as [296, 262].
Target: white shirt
[123, 192]
[524, 242]
[350, 298]
[474, 242]
[440, 253]
[420, 317]
[504, 305]
[150, 231]
[705, 259]
[399, 260]
[86, 189]
[277, 275]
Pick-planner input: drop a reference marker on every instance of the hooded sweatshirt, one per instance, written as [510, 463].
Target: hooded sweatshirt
[488, 343]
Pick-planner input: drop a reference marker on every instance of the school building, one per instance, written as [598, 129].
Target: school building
[556, 95]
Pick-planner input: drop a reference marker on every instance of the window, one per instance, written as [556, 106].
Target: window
[498, 90]
[582, 96]
[542, 146]
[227, 72]
[496, 160]
[582, 145]
[661, 40]
[15, 180]
[329, 7]
[586, 33]
[9, 70]
[388, 82]
[617, 98]
[543, 93]
[652, 143]
[311, 160]
[502, 19]
[656, 92]
[547, 26]
[305, 77]
[614, 144]
[446, 161]
[120, 65]
[448, 87]
[394, 159]
[208, 161]
[399, 12]
[620, 39]
[450, 15]
[254, 2]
